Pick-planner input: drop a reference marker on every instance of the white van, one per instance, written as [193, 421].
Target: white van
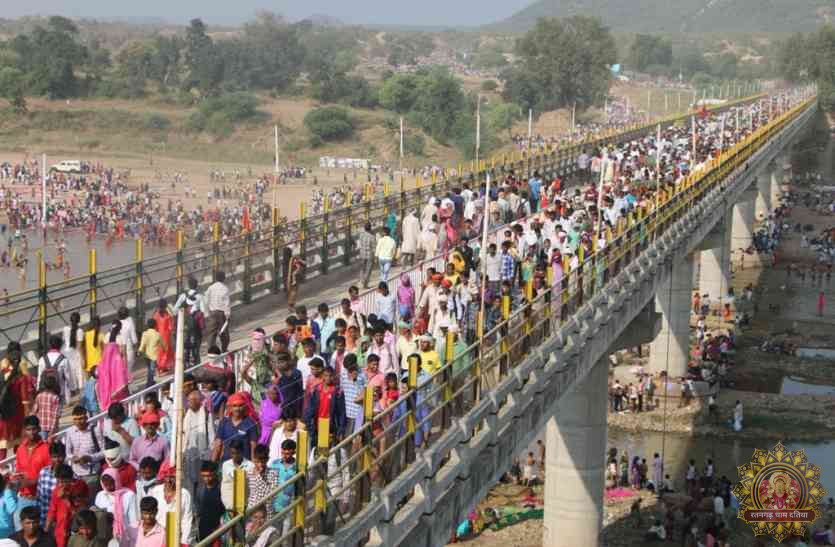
[67, 166]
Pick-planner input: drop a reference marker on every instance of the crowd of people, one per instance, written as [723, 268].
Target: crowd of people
[315, 368]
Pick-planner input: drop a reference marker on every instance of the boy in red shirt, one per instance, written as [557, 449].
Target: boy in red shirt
[70, 496]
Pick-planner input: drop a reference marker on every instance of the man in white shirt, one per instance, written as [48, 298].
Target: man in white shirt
[220, 310]
[386, 247]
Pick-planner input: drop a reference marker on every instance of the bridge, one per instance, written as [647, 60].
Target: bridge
[256, 263]
[543, 366]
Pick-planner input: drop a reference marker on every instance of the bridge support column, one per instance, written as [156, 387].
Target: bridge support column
[776, 183]
[715, 265]
[742, 225]
[575, 447]
[671, 348]
[763, 202]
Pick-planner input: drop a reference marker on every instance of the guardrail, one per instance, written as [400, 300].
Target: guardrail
[335, 485]
[256, 263]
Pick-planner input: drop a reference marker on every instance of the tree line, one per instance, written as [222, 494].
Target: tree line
[559, 63]
[811, 58]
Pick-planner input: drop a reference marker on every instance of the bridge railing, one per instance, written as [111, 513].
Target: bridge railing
[339, 481]
[256, 263]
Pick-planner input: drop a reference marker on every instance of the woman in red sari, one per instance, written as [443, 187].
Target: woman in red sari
[165, 328]
[17, 390]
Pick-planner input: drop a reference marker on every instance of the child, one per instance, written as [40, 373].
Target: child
[48, 406]
[89, 399]
[88, 534]
[146, 480]
[209, 504]
[529, 475]
[148, 530]
[8, 506]
[149, 346]
[69, 497]
[286, 469]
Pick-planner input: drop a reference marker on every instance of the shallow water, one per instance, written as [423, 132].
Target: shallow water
[727, 454]
[794, 386]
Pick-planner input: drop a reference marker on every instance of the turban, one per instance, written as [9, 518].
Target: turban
[236, 399]
[166, 470]
[149, 418]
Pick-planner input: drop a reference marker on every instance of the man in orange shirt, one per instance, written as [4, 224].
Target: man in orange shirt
[32, 456]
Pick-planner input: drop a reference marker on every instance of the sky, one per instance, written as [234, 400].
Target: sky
[400, 12]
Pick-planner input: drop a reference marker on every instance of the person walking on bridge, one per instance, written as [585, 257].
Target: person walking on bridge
[367, 246]
[220, 310]
[386, 247]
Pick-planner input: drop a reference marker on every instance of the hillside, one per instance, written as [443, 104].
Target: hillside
[681, 15]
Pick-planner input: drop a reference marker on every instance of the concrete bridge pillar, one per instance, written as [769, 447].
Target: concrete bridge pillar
[715, 265]
[575, 451]
[742, 225]
[776, 183]
[763, 201]
[670, 350]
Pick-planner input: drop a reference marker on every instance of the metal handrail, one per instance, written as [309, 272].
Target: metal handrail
[684, 193]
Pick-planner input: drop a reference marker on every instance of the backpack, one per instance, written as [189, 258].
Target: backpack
[51, 369]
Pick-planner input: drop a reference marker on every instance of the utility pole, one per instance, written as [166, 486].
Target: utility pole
[276, 149]
[477, 130]
[530, 127]
[43, 197]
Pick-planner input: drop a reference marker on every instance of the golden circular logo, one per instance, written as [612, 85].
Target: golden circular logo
[778, 492]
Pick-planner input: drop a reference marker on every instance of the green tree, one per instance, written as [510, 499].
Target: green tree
[202, 60]
[440, 101]
[48, 56]
[399, 93]
[647, 50]
[329, 123]
[489, 58]
[560, 62]
[501, 117]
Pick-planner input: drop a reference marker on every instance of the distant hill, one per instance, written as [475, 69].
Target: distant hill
[681, 15]
[322, 20]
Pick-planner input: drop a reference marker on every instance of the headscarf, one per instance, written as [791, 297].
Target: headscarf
[270, 412]
[405, 292]
[245, 399]
[257, 343]
[118, 508]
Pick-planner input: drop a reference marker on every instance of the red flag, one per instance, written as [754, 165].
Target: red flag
[245, 220]
[703, 112]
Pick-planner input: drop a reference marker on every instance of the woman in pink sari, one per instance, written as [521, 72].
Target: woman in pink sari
[112, 373]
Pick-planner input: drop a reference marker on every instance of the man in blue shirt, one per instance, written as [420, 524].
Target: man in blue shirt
[535, 184]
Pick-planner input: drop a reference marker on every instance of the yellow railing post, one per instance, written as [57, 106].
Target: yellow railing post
[300, 509]
[92, 267]
[43, 331]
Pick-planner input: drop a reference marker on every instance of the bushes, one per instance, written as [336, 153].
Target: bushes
[329, 123]
[158, 122]
[489, 85]
[237, 107]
